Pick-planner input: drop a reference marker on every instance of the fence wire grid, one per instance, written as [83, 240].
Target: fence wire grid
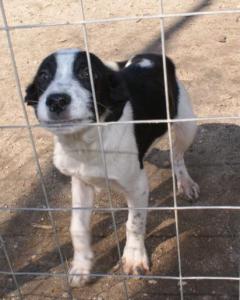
[161, 16]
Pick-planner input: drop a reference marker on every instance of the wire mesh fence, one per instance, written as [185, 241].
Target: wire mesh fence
[161, 16]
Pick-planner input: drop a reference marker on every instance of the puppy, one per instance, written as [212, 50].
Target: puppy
[63, 101]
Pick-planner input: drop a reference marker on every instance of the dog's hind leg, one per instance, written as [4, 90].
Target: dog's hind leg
[184, 133]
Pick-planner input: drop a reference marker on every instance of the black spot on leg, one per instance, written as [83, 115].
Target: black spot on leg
[144, 193]
[137, 215]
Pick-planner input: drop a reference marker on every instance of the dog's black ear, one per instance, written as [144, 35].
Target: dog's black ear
[118, 90]
[31, 96]
[114, 79]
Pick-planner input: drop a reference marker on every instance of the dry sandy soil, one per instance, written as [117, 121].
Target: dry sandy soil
[206, 52]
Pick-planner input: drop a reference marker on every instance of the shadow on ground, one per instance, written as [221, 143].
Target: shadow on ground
[209, 239]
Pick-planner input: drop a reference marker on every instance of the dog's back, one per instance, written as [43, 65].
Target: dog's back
[144, 77]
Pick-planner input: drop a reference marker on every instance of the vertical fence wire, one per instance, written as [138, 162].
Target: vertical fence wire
[170, 139]
[238, 243]
[101, 143]
[3, 246]
[35, 154]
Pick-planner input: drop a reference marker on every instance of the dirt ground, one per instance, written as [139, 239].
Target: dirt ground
[206, 52]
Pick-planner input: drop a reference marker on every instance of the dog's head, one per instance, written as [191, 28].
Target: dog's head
[61, 91]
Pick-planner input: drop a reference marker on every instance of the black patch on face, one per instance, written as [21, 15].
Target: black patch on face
[41, 81]
[108, 86]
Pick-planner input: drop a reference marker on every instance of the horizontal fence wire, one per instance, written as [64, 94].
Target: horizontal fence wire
[111, 209]
[125, 276]
[122, 19]
[102, 124]
[119, 209]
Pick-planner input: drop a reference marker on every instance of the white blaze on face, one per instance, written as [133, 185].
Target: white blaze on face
[64, 82]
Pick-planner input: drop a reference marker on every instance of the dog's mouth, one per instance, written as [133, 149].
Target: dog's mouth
[66, 123]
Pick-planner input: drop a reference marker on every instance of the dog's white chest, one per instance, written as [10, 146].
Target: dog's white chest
[78, 157]
[75, 160]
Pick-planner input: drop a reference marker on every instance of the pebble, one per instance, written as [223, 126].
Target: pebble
[62, 40]
[183, 283]
[166, 163]
[222, 39]
[152, 281]
[65, 295]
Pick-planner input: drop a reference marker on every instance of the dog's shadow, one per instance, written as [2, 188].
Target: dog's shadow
[213, 161]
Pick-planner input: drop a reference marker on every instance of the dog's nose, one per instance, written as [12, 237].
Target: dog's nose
[58, 102]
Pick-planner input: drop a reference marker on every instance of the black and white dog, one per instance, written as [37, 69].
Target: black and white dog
[61, 94]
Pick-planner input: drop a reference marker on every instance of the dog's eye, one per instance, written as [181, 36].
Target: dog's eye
[44, 76]
[84, 74]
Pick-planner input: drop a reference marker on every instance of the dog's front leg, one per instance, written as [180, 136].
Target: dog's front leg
[82, 196]
[135, 259]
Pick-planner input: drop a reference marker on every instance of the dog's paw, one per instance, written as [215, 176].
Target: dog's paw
[134, 261]
[79, 273]
[188, 187]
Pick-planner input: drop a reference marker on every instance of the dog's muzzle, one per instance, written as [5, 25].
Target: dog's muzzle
[57, 103]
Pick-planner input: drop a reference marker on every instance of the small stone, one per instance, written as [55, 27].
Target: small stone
[183, 283]
[166, 163]
[65, 295]
[152, 281]
[222, 39]
[12, 295]
[62, 40]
